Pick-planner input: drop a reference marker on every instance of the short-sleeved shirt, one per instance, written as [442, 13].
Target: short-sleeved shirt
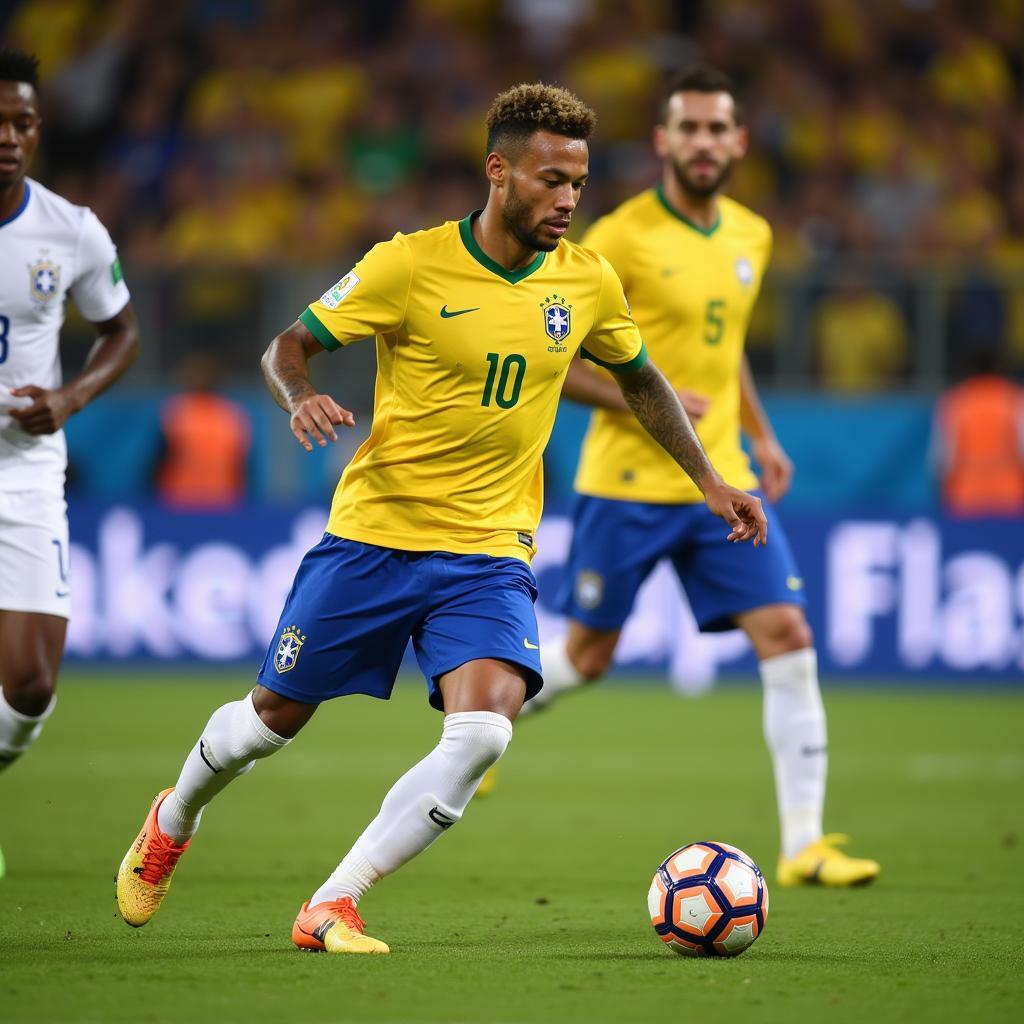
[470, 363]
[691, 291]
[50, 250]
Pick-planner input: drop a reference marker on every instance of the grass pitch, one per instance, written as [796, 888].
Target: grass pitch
[533, 908]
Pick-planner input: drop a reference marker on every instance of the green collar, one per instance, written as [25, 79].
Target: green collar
[512, 276]
[659, 191]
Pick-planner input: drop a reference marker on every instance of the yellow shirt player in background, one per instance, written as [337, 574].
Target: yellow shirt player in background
[431, 531]
[691, 262]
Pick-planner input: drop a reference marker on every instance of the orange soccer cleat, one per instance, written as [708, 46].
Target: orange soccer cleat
[145, 873]
[333, 927]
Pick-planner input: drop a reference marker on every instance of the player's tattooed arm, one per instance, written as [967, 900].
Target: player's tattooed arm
[286, 370]
[589, 387]
[656, 406]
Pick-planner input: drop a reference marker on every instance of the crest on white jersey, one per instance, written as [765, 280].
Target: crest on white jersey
[333, 296]
[744, 271]
[44, 279]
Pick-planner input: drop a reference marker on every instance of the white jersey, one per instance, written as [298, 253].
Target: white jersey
[49, 249]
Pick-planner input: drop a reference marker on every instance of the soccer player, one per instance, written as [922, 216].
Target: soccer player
[49, 249]
[691, 262]
[431, 530]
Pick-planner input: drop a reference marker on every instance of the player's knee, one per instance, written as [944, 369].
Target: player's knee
[476, 739]
[796, 632]
[235, 738]
[29, 689]
[789, 631]
[592, 662]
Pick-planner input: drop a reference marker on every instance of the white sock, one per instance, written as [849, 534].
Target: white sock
[422, 804]
[794, 726]
[234, 738]
[559, 673]
[17, 731]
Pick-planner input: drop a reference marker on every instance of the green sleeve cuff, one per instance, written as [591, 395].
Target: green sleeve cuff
[308, 318]
[632, 366]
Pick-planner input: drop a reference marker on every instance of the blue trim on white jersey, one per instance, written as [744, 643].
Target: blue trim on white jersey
[21, 209]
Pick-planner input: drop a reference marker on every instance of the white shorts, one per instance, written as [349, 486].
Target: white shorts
[34, 570]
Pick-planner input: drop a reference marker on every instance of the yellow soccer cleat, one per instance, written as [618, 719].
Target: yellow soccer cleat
[145, 873]
[823, 863]
[488, 782]
[333, 927]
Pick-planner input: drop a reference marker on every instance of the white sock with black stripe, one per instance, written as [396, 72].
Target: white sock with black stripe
[233, 740]
[794, 727]
[423, 804]
[17, 731]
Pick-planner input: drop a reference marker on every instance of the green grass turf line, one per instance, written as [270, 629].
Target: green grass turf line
[533, 908]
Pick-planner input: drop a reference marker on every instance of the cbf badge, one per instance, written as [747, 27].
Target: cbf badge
[589, 589]
[744, 271]
[288, 648]
[557, 321]
[44, 280]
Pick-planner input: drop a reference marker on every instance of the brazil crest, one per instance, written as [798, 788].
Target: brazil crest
[557, 321]
[288, 647]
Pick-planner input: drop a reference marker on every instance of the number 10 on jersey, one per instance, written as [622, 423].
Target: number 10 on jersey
[510, 380]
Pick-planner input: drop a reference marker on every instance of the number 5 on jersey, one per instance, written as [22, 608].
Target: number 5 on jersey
[510, 380]
[714, 321]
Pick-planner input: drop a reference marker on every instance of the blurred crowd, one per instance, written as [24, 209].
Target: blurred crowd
[259, 132]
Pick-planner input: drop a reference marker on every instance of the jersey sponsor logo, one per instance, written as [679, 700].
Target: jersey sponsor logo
[333, 297]
[744, 271]
[589, 589]
[557, 321]
[438, 817]
[288, 647]
[116, 273]
[44, 279]
[447, 314]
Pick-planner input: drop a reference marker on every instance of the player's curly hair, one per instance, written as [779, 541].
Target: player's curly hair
[524, 109]
[18, 66]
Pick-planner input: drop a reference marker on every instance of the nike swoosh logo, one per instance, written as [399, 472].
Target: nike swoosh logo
[446, 313]
[62, 593]
[206, 760]
[529, 646]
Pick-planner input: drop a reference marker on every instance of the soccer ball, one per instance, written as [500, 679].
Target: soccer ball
[708, 899]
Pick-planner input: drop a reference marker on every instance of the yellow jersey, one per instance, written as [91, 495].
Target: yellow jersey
[470, 363]
[691, 291]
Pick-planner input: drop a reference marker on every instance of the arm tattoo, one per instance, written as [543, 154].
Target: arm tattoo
[656, 406]
[286, 372]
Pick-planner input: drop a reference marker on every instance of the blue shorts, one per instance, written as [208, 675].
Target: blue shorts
[616, 544]
[353, 609]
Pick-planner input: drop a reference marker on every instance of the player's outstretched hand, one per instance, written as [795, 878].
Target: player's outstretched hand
[742, 511]
[776, 468]
[316, 416]
[48, 412]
